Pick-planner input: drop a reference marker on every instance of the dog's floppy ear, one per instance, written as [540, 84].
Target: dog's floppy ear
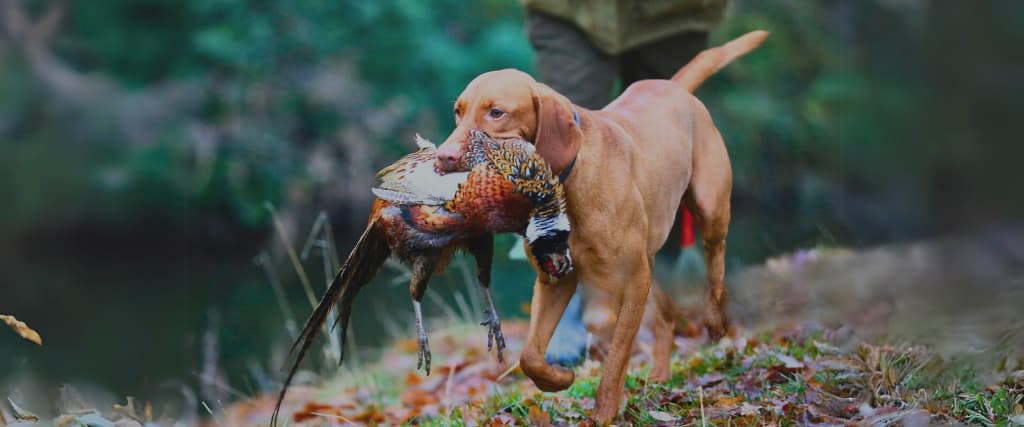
[557, 137]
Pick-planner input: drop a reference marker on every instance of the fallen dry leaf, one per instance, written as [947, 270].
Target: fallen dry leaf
[371, 414]
[417, 398]
[662, 416]
[710, 379]
[789, 362]
[746, 409]
[500, 420]
[412, 379]
[314, 410]
[538, 417]
[21, 414]
[728, 401]
[695, 362]
[22, 329]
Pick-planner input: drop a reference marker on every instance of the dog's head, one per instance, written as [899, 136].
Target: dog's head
[511, 104]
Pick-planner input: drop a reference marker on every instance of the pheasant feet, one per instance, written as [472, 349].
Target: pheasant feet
[423, 357]
[494, 336]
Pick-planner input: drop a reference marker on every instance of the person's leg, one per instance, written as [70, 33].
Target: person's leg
[661, 59]
[568, 345]
[567, 61]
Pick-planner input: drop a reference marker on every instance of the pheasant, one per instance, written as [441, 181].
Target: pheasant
[422, 217]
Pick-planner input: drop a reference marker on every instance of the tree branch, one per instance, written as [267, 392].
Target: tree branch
[31, 38]
[92, 98]
[46, 27]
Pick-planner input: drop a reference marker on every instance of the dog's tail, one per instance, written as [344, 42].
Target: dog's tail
[708, 62]
[362, 264]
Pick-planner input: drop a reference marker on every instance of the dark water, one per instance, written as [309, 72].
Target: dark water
[129, 322]
[121, 320]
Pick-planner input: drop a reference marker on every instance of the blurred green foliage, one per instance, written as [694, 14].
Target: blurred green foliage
[838, 130]
[255, 61]
[866, 122]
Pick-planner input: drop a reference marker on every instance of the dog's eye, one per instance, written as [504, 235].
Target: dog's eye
[496, 113]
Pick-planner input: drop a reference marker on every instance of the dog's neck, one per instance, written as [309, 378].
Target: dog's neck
[564, 174]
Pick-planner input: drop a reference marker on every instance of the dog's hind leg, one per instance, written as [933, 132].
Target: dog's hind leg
[708, 198]
[717, 319]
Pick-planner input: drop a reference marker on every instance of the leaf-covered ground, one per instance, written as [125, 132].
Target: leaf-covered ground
[783, 377]
[788, 376]
[891, 336]
[905, 334]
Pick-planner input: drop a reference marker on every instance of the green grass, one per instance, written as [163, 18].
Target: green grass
[990, 408]
[585, 387]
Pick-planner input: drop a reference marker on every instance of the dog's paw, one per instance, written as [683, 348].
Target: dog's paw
[717, 326]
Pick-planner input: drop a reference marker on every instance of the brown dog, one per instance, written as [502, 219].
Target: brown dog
[626, 167]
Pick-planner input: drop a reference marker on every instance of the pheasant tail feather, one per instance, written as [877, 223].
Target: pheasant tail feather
[362, 264]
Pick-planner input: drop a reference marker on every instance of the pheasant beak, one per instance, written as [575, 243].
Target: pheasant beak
[556, 265]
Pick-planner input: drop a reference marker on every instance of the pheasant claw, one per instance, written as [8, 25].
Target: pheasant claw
[494, 336]
[423, 356]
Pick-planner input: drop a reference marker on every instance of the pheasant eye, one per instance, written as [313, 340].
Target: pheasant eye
[496, 113]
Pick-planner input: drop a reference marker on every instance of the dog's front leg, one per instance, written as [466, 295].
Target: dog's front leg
[549, 302]
[616, 363]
